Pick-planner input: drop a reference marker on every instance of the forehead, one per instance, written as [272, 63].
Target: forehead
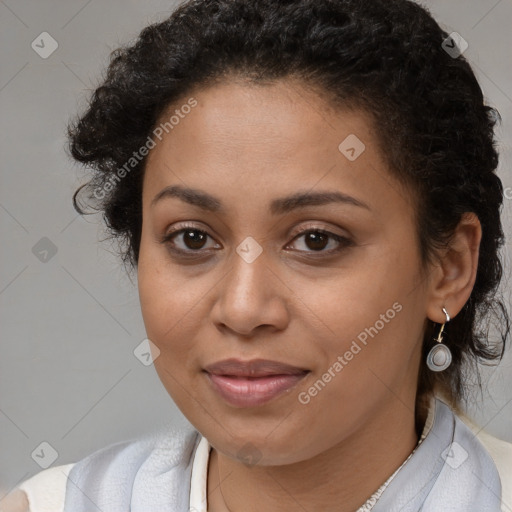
[280, 115]
[244, 141]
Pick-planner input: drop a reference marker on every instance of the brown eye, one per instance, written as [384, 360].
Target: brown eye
[194, 239]
[317, 240]
[192, 242]
[187, 240]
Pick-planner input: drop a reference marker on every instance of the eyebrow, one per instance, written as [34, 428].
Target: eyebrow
[278, 206]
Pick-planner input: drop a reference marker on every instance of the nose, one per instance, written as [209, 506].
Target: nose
[251, 297]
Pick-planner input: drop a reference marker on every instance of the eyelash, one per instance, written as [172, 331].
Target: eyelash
[343, 242]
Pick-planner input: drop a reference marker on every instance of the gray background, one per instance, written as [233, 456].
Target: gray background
[68, 375]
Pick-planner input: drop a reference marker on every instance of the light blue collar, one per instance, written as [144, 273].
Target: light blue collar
[449, 471]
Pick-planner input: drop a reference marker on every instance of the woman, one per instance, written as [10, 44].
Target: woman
[307, 191]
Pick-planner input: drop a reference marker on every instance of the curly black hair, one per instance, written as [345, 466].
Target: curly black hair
[388, 57]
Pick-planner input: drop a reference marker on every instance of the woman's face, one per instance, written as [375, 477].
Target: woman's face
[258, 171]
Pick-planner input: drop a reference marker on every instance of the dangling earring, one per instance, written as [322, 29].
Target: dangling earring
[440, 356]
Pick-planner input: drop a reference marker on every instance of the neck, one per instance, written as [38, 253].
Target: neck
[359, 464]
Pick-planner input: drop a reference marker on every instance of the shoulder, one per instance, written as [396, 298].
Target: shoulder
[501, 453]
[15, 501]
[43, 492]
[105, 469]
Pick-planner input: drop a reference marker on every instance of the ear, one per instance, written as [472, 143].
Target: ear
[452, 280]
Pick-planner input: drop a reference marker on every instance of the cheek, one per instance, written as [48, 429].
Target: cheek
[175, 307]
[167, 313]
[371, 315]
[165, 297]
[168, 308]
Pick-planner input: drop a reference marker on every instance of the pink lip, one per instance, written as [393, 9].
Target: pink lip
[252, 383]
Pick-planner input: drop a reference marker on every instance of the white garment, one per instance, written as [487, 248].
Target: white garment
[46, 490]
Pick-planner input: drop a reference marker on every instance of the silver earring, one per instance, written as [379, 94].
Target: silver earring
[440, 356]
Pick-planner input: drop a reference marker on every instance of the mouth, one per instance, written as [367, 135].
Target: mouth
[252, 383]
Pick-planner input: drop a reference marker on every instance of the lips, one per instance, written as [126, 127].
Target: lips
[252, 383]
[253, 368]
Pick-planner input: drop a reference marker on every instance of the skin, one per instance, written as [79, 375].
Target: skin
[15, 501]
[247, 145]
